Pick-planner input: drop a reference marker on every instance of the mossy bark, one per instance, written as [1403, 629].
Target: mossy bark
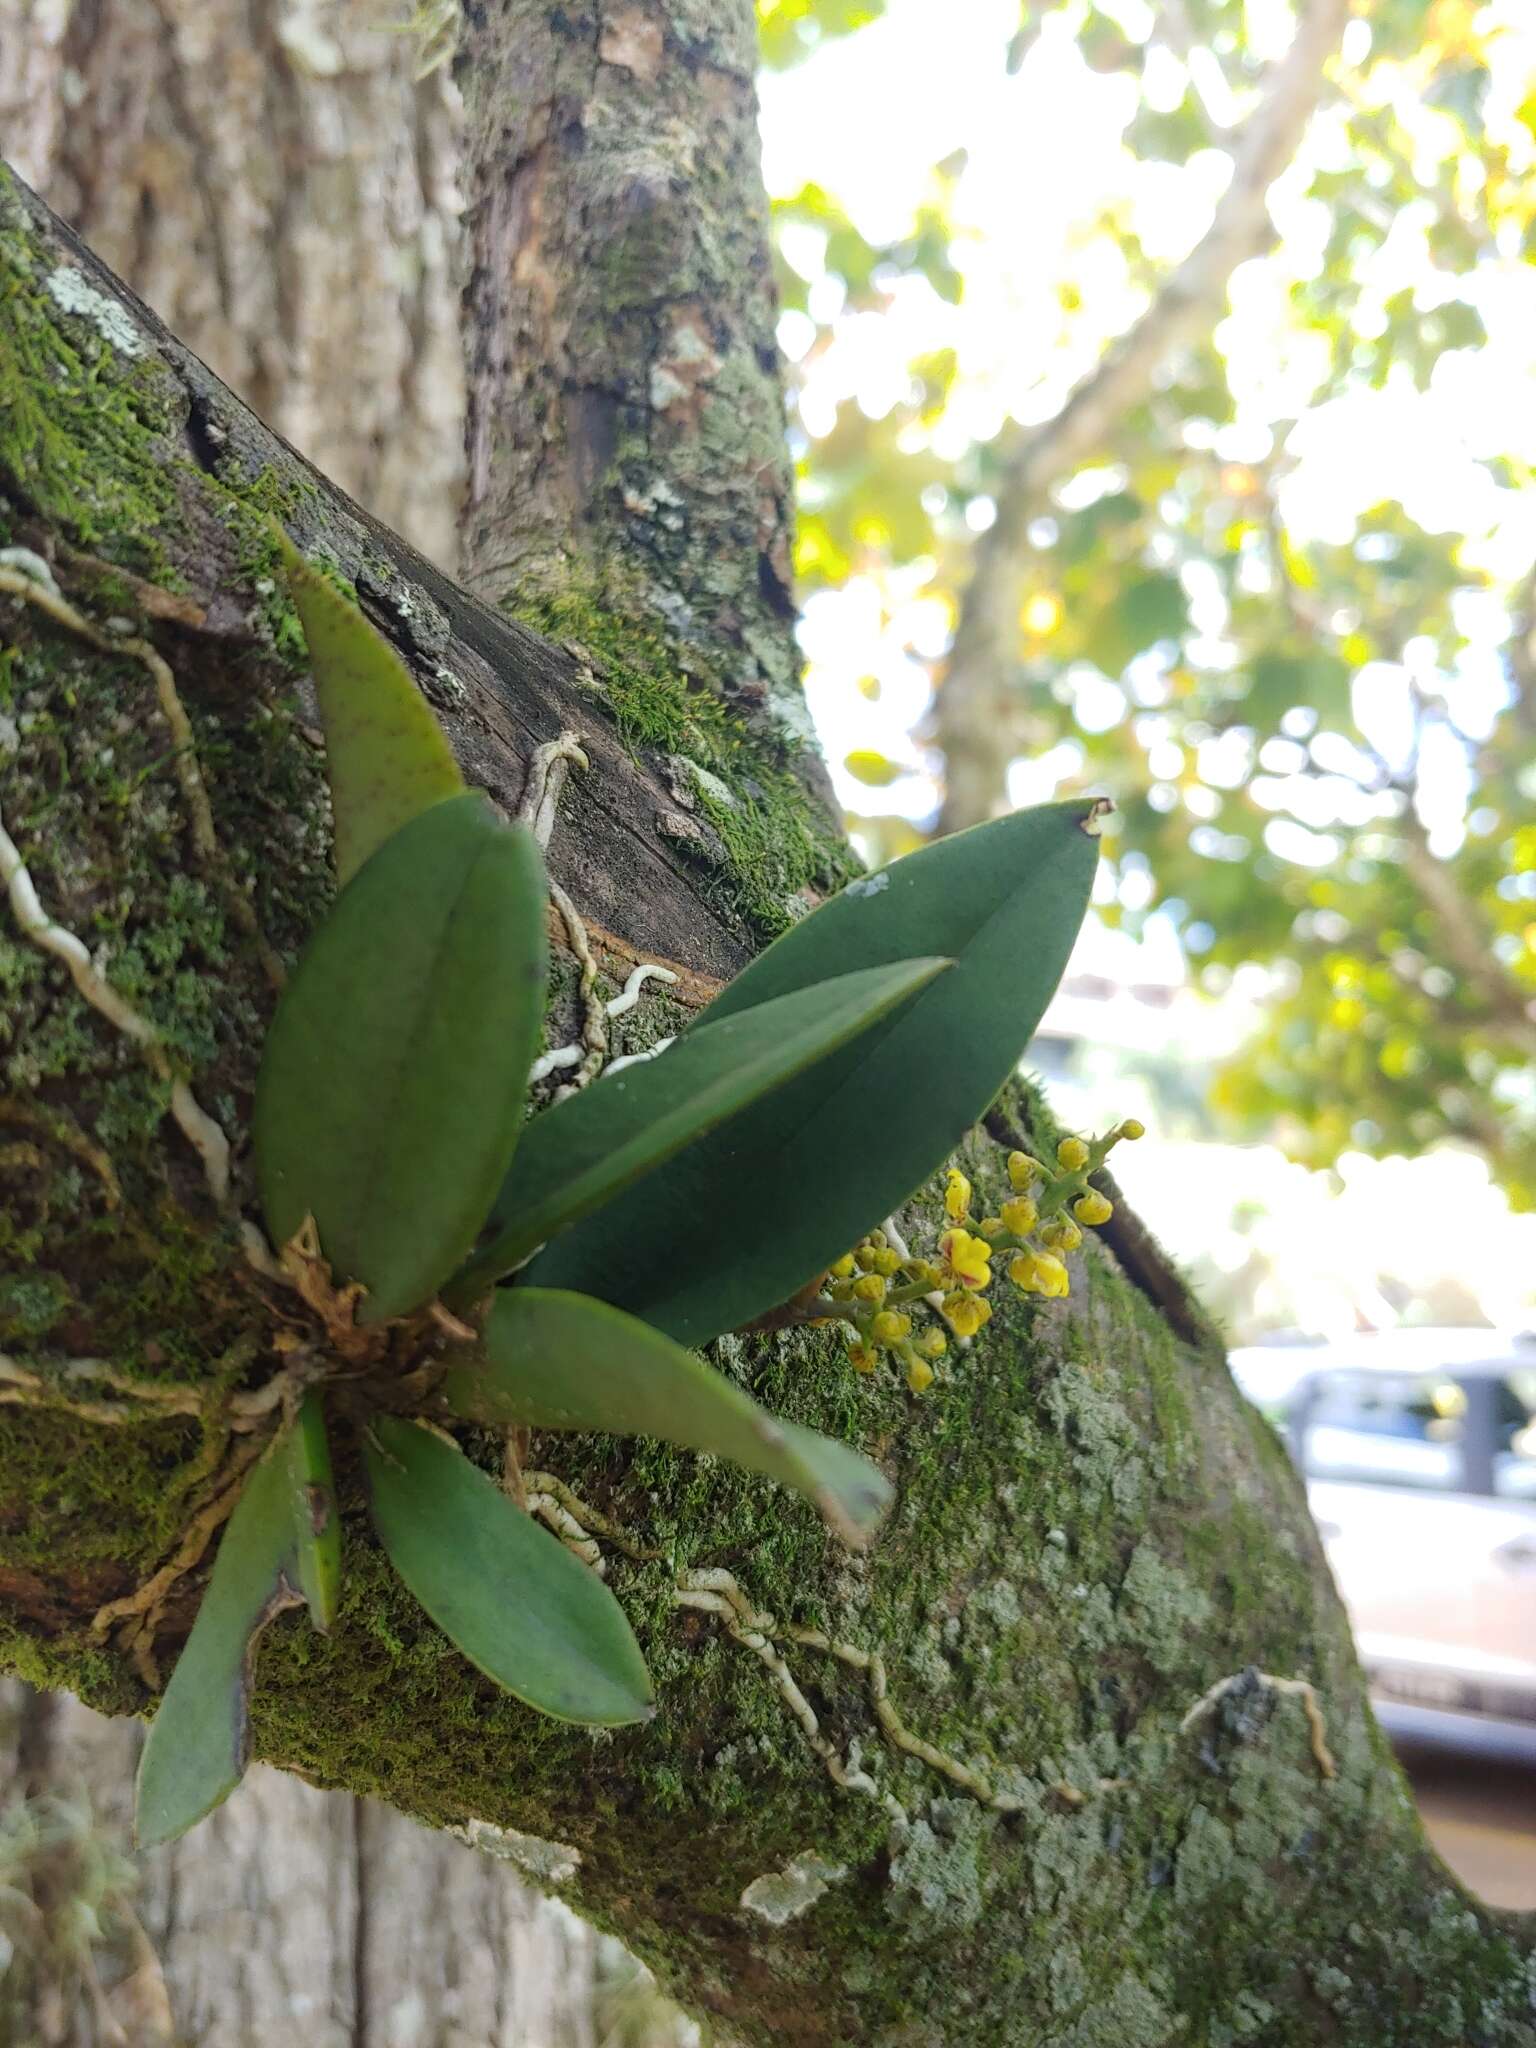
[626, 419]
[1091, 1528]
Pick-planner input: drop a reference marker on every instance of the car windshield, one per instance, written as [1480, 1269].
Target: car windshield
[1450, 1431]
[1514, 1465]
[1388, 1428]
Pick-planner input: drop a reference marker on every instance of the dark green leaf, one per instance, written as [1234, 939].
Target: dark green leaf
[734, 1224]
[584, 1150]
[385, 753]
[513, 1599]
[391, 1090]
[564, 1361]
[199, 1742]
[312, 1498]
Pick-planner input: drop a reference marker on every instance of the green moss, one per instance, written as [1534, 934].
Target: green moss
[779, 856]
[82, 423]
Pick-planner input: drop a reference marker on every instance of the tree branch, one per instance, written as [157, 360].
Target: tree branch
[972, 714]
[1464, 938]
[1093, 1531]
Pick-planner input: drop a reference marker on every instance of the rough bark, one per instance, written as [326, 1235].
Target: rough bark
[1092, 1530]
[273, 178]
[285, 1919]
[626, 420]
[975, 716]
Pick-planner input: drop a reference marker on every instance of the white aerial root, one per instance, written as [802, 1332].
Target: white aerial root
[715, 1591]
[629, 995]
[1295, 1688]
[20, 1387]
[544, 1485]
[571, 1055]
[699, 1590]
[551, 764]
[547, 771]
[638, 1059]
[201, 1132]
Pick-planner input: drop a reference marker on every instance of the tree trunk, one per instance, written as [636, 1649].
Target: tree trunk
[278, 184]
[626, 419]
[1142, 1799]
[232, 164]
[284, 1919]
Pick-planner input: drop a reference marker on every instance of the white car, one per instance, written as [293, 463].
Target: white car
[1419, 1451]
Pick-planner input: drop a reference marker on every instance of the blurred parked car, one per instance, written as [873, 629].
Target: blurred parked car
[1419, 1451]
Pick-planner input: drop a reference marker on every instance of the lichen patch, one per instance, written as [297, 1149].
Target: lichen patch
[783, 1895]
[71, 294]
[545, 1862]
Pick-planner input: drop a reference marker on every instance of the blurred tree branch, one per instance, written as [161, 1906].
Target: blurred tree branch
[974, 716]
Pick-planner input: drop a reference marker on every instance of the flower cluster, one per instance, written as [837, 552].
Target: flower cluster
[879, 1287]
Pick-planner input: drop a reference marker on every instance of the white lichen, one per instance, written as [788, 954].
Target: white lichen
[545, 1862]
[68, 289]
[709, 782]
[783, 1895]
[869, 885]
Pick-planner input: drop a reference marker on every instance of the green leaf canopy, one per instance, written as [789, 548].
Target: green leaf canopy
[564, 1361]
[505, 1591]
[736, 1223]
[391, 1090]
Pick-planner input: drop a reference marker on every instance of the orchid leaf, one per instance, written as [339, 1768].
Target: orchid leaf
[564, 1361]
[385, 753]
[312, 1499]
[587, 1149]
[737, 1223]
[499, 1586]
[199, 1741]
[391, 1090]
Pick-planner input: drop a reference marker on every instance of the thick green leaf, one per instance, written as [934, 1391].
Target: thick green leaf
[385, 753]
[199, 1741]
[312, 1499]
[564, 1361]
[513, 1599]
[584, 1150]
[390, 1096]
[736, 1223]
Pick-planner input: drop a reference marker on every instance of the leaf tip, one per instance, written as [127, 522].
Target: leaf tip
[1092, 821]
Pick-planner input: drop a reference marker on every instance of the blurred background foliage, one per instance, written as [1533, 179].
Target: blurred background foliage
[1276, 595]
